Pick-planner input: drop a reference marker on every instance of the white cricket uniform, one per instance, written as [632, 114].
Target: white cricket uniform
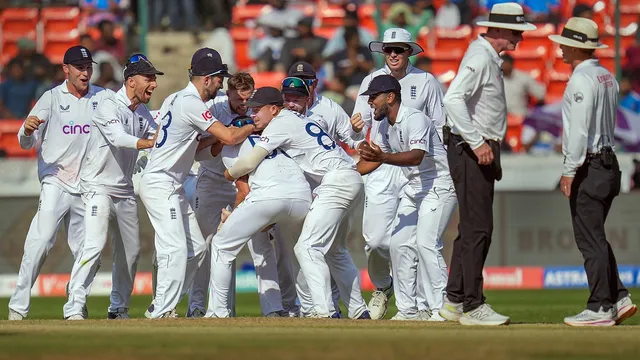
[279, 194]
[419, 90]
[427, 201]
[61, 141]
[180, 246]
[326, 163]
[106, 183]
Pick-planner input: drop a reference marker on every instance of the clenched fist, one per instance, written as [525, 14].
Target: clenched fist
[31, 124]
[357, 124]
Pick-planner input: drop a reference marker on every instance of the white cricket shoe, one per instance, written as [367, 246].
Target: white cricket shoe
[75, 317]
[451, 311]
[379, 303]
[402, 317]
[425, 314]
[436, 317]
[171, 314]
[15, 316]
[624, 309]
[592, 318]
[483, 315]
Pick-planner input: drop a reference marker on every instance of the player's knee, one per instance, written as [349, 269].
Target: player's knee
[377, 242]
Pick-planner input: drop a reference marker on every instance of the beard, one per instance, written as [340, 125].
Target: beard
[381, 113]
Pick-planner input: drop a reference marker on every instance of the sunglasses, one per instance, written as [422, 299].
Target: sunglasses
[297, 83]
[396, 49]
[137, 58]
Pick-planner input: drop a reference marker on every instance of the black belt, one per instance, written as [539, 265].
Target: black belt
[606, 155]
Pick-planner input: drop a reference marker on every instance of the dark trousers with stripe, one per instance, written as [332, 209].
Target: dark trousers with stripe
[592, 192]
[474, 186]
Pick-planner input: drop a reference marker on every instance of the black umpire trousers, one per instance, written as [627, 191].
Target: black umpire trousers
[592, 192]
[474, 186]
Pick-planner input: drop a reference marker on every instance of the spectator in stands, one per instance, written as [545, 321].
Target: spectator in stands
[583, 10]
[107, 79]
[337, 42]
[448, 15]
[629, 98]
[306, 47]
[100, 56]
[336, 90]
[220, 39]
[266, 50]
[36, 66]
[539, 142]
[109, 43]
[355, 62]
[400, 15]
[542, 11]
[17, 93]
[99, 10]
[518, 87]
[289, 18]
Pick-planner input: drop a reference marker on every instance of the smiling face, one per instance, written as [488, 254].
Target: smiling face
[143, 86]
[263, 115]
[396, 56]
[79, 75]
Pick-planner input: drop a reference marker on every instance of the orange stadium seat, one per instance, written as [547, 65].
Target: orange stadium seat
[240, 14]
[269, 79]
[325, 32]
[241, 36]
[556, 83]
[453, 38]
[627, 36]
[60, 19]
[367, 21]
[538, 37]
[56, 44]
[19, 20]
[9, 139]
[331, 16]
[514, 136]
[444, 62]
[607, 58]
[531, 60]
[9, 44]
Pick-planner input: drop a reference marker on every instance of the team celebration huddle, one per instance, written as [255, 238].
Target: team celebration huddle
[273, 176]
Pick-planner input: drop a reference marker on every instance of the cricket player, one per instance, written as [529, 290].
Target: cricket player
[421, 91]
[275, 192]
[59, 126]
[407, 138]
[320, 158]
[591, 176]
[120, 127]
[184, 117]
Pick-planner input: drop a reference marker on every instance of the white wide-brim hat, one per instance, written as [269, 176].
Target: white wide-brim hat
[579, 33]
[507, 16]
[395, 36]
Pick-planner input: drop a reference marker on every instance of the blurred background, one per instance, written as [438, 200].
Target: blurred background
[532, 226]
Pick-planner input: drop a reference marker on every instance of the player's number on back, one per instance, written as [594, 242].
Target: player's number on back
[254, 138]
[316, 131]
[168, 118]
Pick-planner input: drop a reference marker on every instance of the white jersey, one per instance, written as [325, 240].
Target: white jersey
[63, 137]
[221, 111]
[414, 130]
[277, 176]
[182, 120]
[332, 117]
[107, 167]
[305, 142]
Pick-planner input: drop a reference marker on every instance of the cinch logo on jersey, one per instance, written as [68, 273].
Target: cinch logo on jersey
[114, 121]
[73, 129]
[419, 141]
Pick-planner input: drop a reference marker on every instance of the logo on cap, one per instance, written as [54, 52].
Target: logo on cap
[209, 54]
[84, 53]
[292, 85]
[520, 18]
[393, 34]
[300, 67]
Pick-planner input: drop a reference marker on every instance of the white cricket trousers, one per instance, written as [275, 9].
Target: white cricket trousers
[119, 217]
[179, 244]
[419, 225]
[54, 206]
[319, 255]
[380, 208]
[245, 222]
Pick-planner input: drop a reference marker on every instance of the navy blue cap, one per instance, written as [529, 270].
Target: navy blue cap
[265, 96]
[303, 70]
[383, 84]
[77, 55]
[207, 61]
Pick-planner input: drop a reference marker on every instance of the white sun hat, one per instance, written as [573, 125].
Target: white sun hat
[395, 36]
[507, 16]
[579, 33]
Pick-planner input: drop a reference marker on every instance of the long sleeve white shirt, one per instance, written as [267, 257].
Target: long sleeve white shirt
[475, 101]
[63, 137]
[107, 167]
[589, 110]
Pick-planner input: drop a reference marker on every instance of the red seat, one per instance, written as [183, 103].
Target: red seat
[325, 32]
[556, 84]
[538, 37]
[444, 62]
[19, 20]
[241, 36]
[513, 138]
[365, 16]
[273, 79]
[531, 60]
[60, 19]
[240, 14]
[9, 44]
[9, 139]
[449, 39]
[331, 16]
[607, 58]
[56, 44]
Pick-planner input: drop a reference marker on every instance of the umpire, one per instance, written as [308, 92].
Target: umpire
[591, 175]
[476, 108]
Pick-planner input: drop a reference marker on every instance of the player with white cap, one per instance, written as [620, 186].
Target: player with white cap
[59, 125]
[120, 127]
[184, 117]
[421, 91]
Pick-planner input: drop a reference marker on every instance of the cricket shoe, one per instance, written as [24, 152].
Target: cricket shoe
[402, 317]
[592, 318]
[483, 315]
[315, 315]
[196, 313]
[171, 314]
[85, 311]
[15, 316]
[624, 309]
[451, 311]
[119, 314]
[379, 303]
[274, 314]
[366, 315]
[435, 316]
[75, 317]
[425, 314]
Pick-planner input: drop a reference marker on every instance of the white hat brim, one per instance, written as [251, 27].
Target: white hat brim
[376, 46]
[559, 39]
[516, 27]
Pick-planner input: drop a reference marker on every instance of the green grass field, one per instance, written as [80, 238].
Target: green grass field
[536, 332]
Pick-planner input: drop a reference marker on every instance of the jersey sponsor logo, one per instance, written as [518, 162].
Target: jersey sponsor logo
[470, 69]
[75, 129]
[264, 139]
[578, 97]
[418, 141]
[207, 115]
[113, 121]
[64, 109]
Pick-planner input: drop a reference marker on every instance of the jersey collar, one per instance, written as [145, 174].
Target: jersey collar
[586, 64]
[192, 89]
[401, 113]
[494, 54]
[387, 71]
[122, 96]
[65, 89]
